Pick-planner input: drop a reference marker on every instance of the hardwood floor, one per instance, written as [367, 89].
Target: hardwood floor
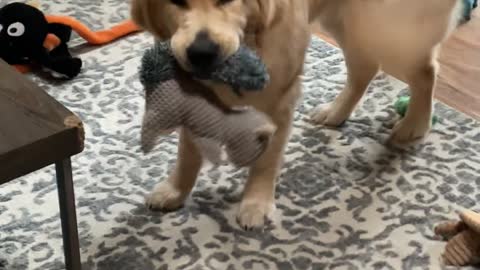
[459, 80]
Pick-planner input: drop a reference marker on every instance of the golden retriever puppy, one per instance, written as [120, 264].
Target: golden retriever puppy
[401, 36]
[204, 32]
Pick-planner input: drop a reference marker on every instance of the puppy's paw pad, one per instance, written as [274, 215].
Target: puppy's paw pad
[165, 197]
[254, 215]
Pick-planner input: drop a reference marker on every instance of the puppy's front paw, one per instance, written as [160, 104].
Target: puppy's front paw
[407, 133]
[165, 197]
[254, 214]
[326, 115]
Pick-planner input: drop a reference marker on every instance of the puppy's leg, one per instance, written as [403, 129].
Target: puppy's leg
[361, 70]
[417, 121]
[258, 202]
[171, 193]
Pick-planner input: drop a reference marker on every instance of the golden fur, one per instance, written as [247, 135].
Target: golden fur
[399, 36]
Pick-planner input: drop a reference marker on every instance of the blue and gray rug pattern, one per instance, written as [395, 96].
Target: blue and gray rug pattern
[344, 199]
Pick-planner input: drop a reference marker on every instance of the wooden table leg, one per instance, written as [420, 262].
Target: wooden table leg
[68, 214]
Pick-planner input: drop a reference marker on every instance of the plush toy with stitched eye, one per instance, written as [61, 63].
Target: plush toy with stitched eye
[27, 36]
[23, 31]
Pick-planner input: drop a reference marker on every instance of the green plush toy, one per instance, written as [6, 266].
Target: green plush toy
[401, 107]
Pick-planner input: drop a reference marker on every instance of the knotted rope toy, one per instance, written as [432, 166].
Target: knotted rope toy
[174, 99]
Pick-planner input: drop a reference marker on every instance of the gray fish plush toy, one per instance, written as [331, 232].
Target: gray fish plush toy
[175, 100]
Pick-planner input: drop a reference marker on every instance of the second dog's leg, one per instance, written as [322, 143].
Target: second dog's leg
[170, 194]
[361, 71]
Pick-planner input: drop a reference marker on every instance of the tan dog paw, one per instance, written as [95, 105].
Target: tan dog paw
[254, 214]
[165, 197]
[325, 115]
[406, 133]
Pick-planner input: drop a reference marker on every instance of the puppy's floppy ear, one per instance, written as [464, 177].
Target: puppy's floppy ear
[145, 13]
[137, 12]
[268, 11]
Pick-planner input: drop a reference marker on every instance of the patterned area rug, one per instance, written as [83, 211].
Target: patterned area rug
[345, 200]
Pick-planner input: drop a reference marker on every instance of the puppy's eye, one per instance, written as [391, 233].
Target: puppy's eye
[224, 2]
[179, 3]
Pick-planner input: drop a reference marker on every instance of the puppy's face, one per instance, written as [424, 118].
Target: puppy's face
[203, 33]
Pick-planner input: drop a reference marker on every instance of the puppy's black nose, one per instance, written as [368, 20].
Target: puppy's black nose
[203, 53]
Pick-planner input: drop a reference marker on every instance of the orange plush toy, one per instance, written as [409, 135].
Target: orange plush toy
[29, 37]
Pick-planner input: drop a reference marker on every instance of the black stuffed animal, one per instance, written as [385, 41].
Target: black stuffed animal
[23, 32]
